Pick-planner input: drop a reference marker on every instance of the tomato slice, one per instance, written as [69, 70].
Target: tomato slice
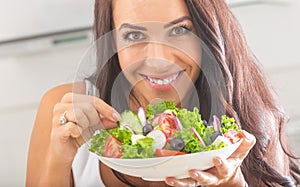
[232, 135]
[167, 124]
[165, 152]
[112, 147]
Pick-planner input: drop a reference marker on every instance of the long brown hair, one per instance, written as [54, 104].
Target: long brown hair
[245, 94]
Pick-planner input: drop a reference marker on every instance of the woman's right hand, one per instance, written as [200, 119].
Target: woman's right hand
[84, 115]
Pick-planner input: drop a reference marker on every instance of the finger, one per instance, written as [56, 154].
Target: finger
[70, 129]
[101, 107]
[91, 118]
[75, 98]
[58, 111]
[247, 143]
[106, 110]
[72, 113]
[87, 116]
[226, 168]
[78, 117]
[188, 182]
[106, 124]
[90, 112]
[203, 178]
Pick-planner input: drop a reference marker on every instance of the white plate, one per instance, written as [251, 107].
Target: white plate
[157, 169]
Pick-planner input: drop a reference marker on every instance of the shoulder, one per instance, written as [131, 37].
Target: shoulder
[41, 131]
[50, 99]
[56, 93]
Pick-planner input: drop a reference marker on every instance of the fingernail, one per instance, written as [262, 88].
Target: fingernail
[117, 116]
[217, 161]
[170, 182]
[194, 173]
[247, 135]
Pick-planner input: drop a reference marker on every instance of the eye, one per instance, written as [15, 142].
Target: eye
[180, 30]
[134, 36]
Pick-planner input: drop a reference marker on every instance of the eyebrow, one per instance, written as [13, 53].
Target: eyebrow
[127, 25]
[178, 20]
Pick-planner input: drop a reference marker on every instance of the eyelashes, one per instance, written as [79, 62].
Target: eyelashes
[138, 36]
[180, 30]
[132, 36]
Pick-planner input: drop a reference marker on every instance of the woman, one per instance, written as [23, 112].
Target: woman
[155, 70]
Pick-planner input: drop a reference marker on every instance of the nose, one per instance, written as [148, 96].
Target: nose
[159, 56]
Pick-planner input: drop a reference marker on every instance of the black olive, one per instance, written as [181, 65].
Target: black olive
[147, 128]
[205, 122]
[177, 144]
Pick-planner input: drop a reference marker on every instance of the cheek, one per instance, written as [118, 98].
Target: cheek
[129, 63]
[195, 56]
[197, 60]
[125, 59]
[192, 59]
[130, 58]
[190, 53]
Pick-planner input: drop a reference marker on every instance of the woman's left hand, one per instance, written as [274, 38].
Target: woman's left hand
[224, 173]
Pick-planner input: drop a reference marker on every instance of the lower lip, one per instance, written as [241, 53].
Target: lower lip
[163, 87]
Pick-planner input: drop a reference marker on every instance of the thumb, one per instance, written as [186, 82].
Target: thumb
[248, 141]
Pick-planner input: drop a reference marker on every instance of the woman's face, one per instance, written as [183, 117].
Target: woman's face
[157, 48]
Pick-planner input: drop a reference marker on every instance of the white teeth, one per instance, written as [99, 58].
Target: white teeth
[163, 81]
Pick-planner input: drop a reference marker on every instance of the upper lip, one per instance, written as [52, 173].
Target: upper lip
[161, 76]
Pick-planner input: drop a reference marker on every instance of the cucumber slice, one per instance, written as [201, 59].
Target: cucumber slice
[131, 119]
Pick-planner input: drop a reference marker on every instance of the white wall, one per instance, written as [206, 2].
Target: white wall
[23, 81]
[272, 31]
[20, 19]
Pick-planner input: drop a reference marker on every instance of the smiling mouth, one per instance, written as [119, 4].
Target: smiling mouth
[164, 81]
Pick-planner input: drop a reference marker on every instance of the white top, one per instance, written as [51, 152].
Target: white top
[85, 165]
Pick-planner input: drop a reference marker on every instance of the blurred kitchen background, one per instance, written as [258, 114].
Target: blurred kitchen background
[42, 43]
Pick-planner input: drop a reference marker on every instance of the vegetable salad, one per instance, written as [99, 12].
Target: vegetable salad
[164, 130]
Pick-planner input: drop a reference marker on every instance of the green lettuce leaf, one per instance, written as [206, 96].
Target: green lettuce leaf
[98, 142]
[123, 135]
[152, 110]
[228, 123]
[142, 149]
[189, 119]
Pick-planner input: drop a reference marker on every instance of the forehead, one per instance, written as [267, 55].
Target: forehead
[138, 11]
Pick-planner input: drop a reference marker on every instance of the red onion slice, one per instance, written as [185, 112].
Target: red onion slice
[217, 124]
[156, 120]
[129, 128]
[177, 122]
[142, 116]
[198, 136]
